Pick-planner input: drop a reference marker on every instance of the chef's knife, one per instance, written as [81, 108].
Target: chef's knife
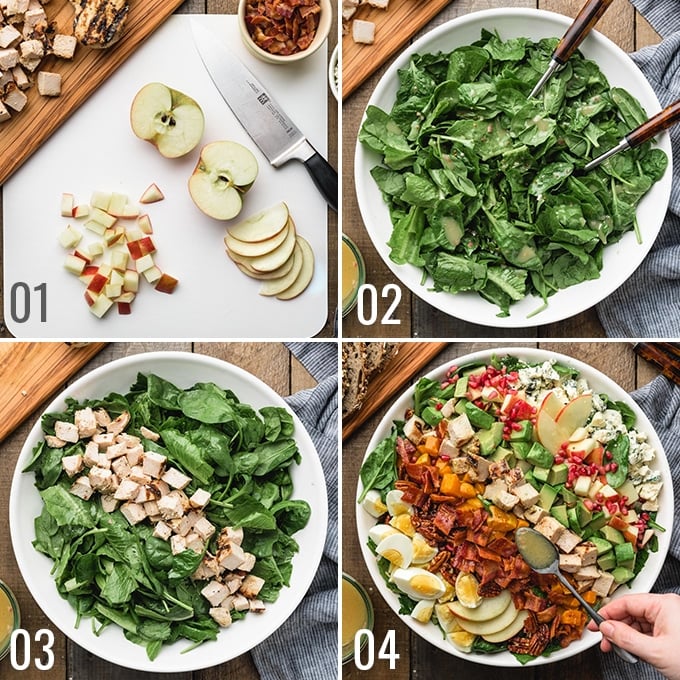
[263, 119]
[585, 20]
[656, 124]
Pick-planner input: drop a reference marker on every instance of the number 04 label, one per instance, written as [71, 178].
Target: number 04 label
[387, 651]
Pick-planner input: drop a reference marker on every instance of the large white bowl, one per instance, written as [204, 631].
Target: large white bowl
[600, 383]
[184, 369]
[620, 259]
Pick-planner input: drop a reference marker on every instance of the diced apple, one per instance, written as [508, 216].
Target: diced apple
[126, 296]
[117, 277]
[124, 308]
[166, 284]
[113, 290]
[134, 234]
[100, 199]
[101, 305]
[575, 414]
[102, 217]
[105, 269]
[582, 485]
[96, 227]
[90, 297]
[83, 255]
[95, 249]
[74, 264]
[119, 260]
[81, 211]
[141, 247]
[144, 224]
[152, 274]
[595, 487]
[608, 492]
[67, 205]
[152, 194]
[130, 281]
[98, 283]
[70, 237]
[583, 447]
[114, 235]
[130, 211]
[143, 263]
[89, 271]
[117, 204]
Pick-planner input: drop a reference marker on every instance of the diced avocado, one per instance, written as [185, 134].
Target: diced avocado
[523, 466]
[607, 561]
[520, 448]
[558, 474]
[525, 432]
[625, 555]
[478, 417]
[583, 514]
[547, 496]
[569, 496]
[490, 438]
[559, 512]
[461, 387]
[459, 408]
[501, 453]
[475, 370]
[599, 520]
[572, 516]
[586, 533]
[541, 474]
[603, 546]
[529, 477]
[539, 455]
[612, 535]
[622, 575]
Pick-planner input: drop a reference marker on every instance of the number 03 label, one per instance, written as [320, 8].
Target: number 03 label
[387, 651]
[22, 650]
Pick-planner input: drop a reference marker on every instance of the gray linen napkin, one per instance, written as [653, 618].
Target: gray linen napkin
[660, 400]
[647, 305]
[306, 646]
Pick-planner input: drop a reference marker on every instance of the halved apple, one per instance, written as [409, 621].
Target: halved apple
[224, 173]
[261, 226]
[306, 273]
[170, 120]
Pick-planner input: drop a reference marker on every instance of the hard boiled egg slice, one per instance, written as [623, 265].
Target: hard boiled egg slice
[396, 548]
[423, 552]
[395, 506]
[467, 590]
[418, 583]
[380, 531]
[423, 611]
[403, 524]
[373, 504]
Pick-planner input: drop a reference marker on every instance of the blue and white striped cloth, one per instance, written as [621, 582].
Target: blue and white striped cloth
[306, 646]
[647, 305]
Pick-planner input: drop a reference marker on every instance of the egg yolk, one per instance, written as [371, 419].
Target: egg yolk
[425, 585]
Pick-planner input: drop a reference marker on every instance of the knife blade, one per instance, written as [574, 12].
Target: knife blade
[263, 119]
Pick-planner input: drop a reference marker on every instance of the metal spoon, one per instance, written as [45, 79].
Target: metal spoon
[541, 555]
[657, 123]
[585, 20]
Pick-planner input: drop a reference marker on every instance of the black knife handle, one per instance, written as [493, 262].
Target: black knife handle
[325, 178]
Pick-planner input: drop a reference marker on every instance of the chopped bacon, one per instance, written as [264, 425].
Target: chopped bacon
[405, 449]
[283, 27]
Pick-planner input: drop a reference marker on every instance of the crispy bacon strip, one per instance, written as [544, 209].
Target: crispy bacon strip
[283, 27]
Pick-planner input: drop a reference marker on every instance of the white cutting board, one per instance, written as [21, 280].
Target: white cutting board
[96, 150]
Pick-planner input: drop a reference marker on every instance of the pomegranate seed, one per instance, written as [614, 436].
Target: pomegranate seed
[614, 466]
[559, 459]
[439, 406]
[445, 458]
[608, 455]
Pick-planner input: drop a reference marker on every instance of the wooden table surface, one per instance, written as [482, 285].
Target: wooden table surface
[230, 7]
[419, 659]
[625, 27]
[273, 364]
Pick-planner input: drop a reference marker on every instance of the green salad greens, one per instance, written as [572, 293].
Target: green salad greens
[121, 573]
[485, 186]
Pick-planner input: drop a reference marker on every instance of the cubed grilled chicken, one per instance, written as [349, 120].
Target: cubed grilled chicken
[99, 23]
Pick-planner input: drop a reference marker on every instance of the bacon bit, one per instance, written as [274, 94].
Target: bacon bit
[282, 27]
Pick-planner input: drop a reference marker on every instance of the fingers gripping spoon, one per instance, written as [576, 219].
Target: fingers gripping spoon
[656, 124]
[587, 18]
[541, 555]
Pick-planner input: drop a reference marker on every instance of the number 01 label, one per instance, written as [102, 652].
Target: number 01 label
[21, 654]
[387, 651]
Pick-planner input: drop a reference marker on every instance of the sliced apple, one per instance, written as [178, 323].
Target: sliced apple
[575, 414]
[489, 626]
[168, 119]
[510, 630]
[263, 276]
[273, 287]
[257, 248]
[490, 608]
[551, 404]
[261, 226]
[306, 273]
[224, 173]
[275, 258]
[549, 433]
[151, 194]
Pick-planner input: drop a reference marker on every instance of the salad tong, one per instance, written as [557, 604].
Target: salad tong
[585, 20]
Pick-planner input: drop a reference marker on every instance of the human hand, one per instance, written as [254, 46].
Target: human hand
[645, 625]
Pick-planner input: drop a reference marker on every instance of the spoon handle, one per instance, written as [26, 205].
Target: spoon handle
[585, 20]
[595, 616]
[657, 123]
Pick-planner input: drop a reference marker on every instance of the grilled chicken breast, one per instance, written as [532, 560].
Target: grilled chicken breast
[99, 23]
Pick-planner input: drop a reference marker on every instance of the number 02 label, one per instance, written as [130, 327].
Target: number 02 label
[367, 304]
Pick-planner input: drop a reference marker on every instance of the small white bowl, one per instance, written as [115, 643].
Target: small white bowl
[322, 31]
[334, 72]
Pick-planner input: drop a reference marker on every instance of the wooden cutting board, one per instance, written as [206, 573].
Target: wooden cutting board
[31, 372]
[27, 130]
[393, 28]
[400, 370]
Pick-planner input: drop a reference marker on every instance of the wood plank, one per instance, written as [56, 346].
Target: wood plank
[393, 28]
[34, 371]
[410, 359]
[26, 131]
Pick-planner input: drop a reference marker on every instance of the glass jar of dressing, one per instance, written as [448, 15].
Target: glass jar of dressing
[353, 274]
[357, 614]
[10, 618]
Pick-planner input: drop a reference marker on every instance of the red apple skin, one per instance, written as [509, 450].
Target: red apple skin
[82, 256]
[124, 307]
[135, 249]
[147, 246]
[166, 284]
[97, 283]
[90, 298]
